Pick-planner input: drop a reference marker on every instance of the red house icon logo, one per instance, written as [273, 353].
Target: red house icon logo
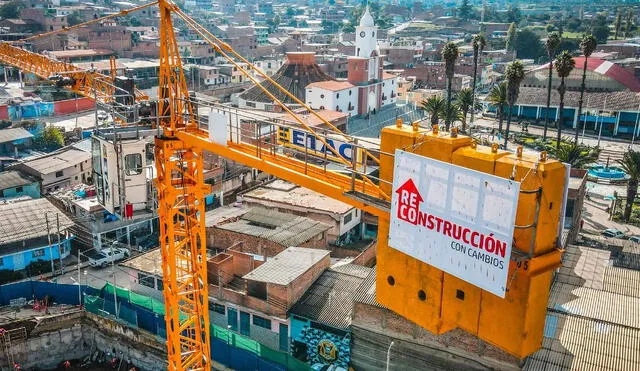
[409, 200]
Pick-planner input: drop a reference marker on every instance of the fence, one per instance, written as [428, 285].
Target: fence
[227, 347]
[60, 293]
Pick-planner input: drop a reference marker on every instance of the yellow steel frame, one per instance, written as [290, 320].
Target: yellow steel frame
[181, 193]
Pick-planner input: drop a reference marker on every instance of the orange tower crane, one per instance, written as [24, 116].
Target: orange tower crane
[414, 289]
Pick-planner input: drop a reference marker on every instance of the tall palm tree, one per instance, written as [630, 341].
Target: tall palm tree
[564, 65]
[466, 103]
[498, 97]
[435, 107]
[449, 54]
[588, 45]
[452, 113]
[552, 44]
[514, 74]
[578, 155]
[479, 42]
[630, 163]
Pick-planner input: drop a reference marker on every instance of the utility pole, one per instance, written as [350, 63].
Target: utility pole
[59, 247]
[46, 218]
[79, 289]
[115, 295]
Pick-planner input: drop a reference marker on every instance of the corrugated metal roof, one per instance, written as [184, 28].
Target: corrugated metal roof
[329, 300]
[352, 270]
[284, 229]
[27, 219]
[366, 292]
[11, 134]
[13, 178]
[575, 343]
[592, 321]
[60, 160]
[288, 265]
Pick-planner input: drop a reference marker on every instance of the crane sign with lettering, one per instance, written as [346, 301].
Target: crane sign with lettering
[455, 219]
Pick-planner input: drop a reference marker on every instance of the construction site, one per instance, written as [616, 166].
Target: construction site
[180, 232]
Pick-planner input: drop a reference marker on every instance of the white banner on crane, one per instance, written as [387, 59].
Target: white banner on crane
[455, 219]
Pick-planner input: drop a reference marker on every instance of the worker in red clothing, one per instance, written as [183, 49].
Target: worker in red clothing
[67, 364]
[16, 366]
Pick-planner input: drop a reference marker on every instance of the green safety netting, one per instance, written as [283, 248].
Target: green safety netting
[148, 302]
[96, 305]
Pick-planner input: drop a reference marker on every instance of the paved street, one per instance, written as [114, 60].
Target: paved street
[95, 277]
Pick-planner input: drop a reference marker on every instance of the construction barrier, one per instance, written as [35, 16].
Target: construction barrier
[29, 290]
[227, 347]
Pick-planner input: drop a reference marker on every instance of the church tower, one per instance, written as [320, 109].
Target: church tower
[366, 36]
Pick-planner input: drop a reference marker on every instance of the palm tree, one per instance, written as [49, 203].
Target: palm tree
[479, 42]
[466, 103]
[449, 54]
[552, 44]
[498, 97]
[514, 74]
[588, 45]
[435, 107]
[564, 65]
[452, 113]
[630, 163]
[578, 155]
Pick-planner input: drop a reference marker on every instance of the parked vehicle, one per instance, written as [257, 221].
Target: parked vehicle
[613, 233]
[635, 239]
[106, 256]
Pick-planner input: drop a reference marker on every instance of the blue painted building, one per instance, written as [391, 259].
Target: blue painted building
[32, 231]
[321, 319]
[14, 183]
[610, 106]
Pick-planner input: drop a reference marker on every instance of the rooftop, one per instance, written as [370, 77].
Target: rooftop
[283, 192]
[80, 53]
[25, 220]
[149, 262]
[312, 120]
[14, 178]
[11, 134]
[616, 100]
[331, 85]
[284, 229]
[329, 300]
[57, 161]
[285, 267]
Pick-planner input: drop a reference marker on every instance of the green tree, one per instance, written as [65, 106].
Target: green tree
[479, 43]
[600, 28]
[629, 23]
[11, 9]
[513, 14]
[564, 65]
[618, 25]
[552, 44]
[74, 19]
[134, 21]
[273, 23]
[435, 107]
[450, 55]
[50, 139]
[290, 12]
[498, 97]
[328, 27]
[465, 102]
[528, 45]
[577, 155]
[588, 46]
[630, 163]
[465, 10]
[514, 75]
[510, 42]
[452, 113]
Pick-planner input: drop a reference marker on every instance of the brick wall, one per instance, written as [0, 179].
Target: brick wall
[367, 258]
[68, 106]
[221, 238]
[375, 327]
[299, 286]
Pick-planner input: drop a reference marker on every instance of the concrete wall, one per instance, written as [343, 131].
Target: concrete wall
[20, 260]
[32, 190]
[77, 334]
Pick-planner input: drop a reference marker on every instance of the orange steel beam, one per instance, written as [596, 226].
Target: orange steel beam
[181, 191]
[87, 83]
[329, 183]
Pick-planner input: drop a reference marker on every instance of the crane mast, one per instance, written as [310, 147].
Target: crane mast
[181, 189]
